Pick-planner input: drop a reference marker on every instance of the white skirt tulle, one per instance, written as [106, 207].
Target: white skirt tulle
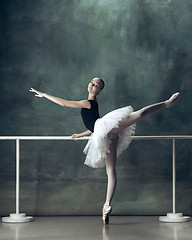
[99, 141]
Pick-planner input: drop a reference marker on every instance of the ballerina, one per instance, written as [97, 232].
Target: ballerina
[110, 134]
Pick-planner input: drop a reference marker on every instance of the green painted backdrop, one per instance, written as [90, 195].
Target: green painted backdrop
[143, 51]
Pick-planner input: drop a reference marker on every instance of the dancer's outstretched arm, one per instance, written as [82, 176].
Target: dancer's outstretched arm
[62, 102]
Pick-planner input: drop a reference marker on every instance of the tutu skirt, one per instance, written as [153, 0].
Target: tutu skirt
[98, 144]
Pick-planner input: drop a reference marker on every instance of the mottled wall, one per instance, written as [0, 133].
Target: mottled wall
[143, 51]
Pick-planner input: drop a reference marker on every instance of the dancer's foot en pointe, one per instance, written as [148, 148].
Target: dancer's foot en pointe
[172, 99]
[106, 211]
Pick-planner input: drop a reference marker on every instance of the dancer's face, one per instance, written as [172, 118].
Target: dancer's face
[95, 86]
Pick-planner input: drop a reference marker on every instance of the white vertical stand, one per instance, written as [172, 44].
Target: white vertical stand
[17, 217]
[174, 217]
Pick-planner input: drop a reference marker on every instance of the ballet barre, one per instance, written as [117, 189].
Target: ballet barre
[21, 217]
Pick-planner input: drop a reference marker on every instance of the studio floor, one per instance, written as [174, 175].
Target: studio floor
[91, 228]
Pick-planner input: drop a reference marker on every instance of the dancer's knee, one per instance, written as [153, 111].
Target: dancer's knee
[111, 172]
[143, 112]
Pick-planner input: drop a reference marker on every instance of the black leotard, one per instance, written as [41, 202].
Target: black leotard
[90, 116]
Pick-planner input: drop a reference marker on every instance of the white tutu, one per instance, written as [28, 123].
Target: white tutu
[99, 141]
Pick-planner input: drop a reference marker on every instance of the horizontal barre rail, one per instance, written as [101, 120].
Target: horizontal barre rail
[86, 138]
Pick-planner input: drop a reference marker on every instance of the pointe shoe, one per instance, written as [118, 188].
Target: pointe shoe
[172, 99]
[106, 211]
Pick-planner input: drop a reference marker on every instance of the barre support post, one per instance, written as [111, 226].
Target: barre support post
[17, 174]
[17, 217]
[174, 217]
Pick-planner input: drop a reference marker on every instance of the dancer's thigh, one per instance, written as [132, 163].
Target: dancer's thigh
[112, 154]
[127, 121]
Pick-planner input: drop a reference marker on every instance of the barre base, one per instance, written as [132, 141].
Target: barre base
[17, 218]
[174, 218]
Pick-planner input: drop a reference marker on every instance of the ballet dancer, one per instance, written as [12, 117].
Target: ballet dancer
[110, 135]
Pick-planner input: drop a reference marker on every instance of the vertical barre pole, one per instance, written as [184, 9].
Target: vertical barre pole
[174, 217]
[17, 217]
[17, 174]
[174, 175]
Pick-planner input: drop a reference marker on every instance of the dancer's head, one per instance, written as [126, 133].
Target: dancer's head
[96, 85]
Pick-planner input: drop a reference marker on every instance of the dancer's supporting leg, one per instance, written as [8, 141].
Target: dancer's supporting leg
[136, 116]
[112, 179]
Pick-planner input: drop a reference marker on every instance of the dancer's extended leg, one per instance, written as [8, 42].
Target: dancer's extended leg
[112, 179]
[136, 116]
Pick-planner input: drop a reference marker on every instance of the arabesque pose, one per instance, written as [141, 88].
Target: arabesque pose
[110, 135]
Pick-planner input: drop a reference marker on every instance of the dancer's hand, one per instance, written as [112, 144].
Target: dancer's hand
[38, 93]
[79, 135]
[76, 135]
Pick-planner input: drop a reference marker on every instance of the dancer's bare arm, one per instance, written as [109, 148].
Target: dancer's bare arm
[83, 134]
[62, 102]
